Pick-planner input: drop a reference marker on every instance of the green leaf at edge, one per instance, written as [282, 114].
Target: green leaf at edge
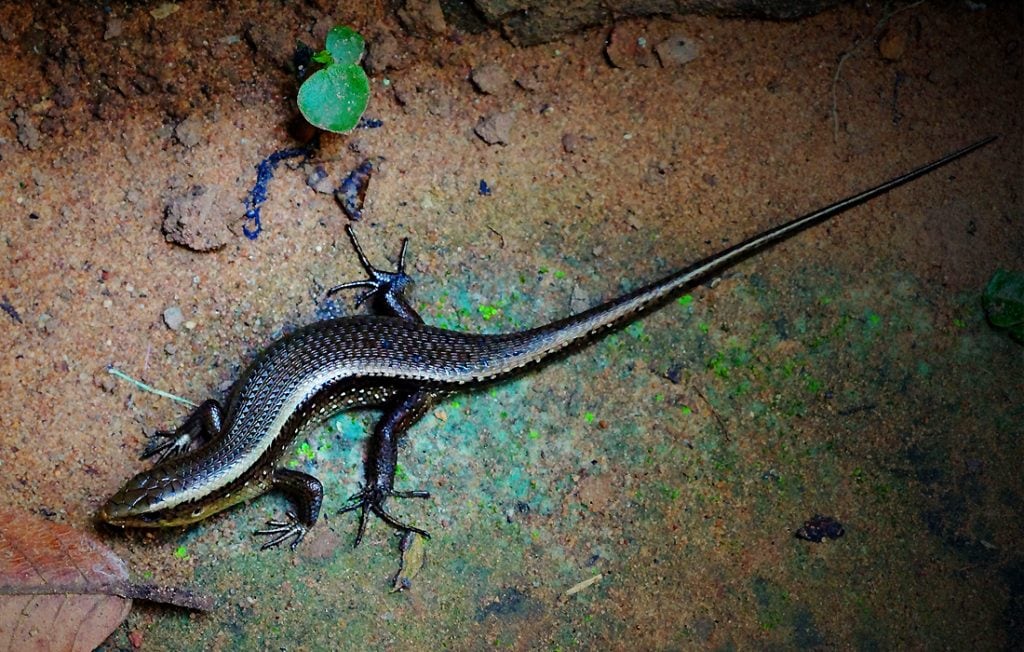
[345, 45]
[1003, 299]
[323, 57]
[335, 97]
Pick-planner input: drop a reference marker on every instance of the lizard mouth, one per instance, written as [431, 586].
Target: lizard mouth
[120, 515]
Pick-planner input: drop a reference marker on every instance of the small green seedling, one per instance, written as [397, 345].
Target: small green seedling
[334, 97]
[1003, 300]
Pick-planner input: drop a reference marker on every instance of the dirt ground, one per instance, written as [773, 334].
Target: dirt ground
[848, 372]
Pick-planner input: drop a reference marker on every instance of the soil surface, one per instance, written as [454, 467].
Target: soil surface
[847, 373]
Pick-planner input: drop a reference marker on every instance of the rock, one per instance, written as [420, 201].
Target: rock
[893, 44]
[164, 10]
[275, 45]
[628, 47]
[105, 382]
[438, 103]
[494, 128]
[174, 318]
[597, 493]
[195, 221]
[318, 180]
[423, 18]
[383, 54]
[530, 22]
[529, 81]
[580, 299]
[28, 134]
[358, 145]
[570, 142]
[490, 79]
[188, 132]
[676, 50]
[115, 27]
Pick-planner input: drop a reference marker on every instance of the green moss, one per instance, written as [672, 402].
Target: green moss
[487, 311]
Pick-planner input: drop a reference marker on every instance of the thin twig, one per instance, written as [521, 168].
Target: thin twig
[714, 413]
[576, 588]
[148, 388]
[495, 232]
[846, 55]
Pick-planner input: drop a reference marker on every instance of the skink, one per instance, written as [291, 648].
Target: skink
[222, 456]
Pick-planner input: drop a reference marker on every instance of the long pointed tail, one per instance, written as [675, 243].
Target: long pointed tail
[537, 344]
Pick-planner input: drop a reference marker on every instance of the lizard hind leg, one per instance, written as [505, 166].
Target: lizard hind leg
[386, 289]
[382, 462]
[307, 494]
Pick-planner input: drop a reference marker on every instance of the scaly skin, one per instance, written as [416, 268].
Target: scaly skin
[391, 360]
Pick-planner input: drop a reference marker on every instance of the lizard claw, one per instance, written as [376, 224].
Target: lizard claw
[372, 499]
[282, 530]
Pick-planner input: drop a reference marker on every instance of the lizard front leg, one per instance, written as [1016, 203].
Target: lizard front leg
[386, 289]
[201, 426]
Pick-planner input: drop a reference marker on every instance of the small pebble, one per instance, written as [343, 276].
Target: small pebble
[490, 79]
[188, 132]
[319, 181]
[115, 27]
[494, 128]
[628, 47]
[196, 219]
[170, 349]
[384, 53]
[676, 50]
[174, 318]
[892, 45]
[104, 381]
[570, 142]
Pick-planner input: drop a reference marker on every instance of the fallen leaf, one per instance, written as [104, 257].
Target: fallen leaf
[63, 590]
[413, 556]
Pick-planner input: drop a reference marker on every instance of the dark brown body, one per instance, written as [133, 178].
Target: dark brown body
[393, 360]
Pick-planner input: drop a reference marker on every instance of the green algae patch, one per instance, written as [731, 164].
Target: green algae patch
[1003, 300]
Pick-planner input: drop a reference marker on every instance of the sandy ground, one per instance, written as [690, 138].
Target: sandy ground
[848, 372]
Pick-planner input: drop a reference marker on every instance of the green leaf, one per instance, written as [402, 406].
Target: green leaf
[335, 97]
[323, 57]
[345, 45]
[1003, 300]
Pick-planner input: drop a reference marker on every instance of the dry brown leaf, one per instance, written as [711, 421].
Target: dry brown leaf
[51, 580]
[413, 556]
[63, 590]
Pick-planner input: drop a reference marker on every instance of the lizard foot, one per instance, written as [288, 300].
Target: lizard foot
[167, 444]
[372, 499]
[282, 530]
